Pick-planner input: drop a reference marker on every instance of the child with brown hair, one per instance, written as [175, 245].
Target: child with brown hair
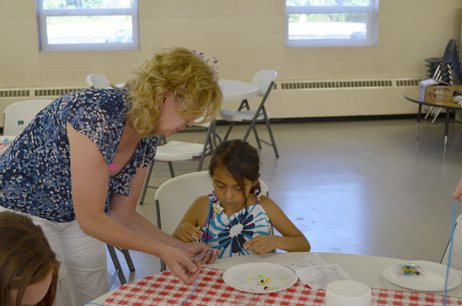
[28, 266]
[235, 218]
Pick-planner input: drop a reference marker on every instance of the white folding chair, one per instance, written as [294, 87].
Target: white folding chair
[174, 197]
[264, 79]
[182, 151]
[21, 111]
[456, 256]
[98, 81]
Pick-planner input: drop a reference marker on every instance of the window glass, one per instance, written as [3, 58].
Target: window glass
[85, 4]
[318, 23]
[88, 25]
[327, 2]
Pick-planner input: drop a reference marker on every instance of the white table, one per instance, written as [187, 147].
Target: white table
[363, 268]
[237, 90]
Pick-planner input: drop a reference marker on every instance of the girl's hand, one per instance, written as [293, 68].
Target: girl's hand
[261, 244]
[181, 265]
[187, 232]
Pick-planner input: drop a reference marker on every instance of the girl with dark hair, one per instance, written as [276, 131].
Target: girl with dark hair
[235, 218]
[28, 266]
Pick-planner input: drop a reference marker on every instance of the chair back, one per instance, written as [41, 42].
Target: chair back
[456, 256]
[22, 110]
[177, 194]
[98, 81]
[264, 79]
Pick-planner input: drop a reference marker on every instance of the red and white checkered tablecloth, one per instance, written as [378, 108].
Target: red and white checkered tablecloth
[165, 289]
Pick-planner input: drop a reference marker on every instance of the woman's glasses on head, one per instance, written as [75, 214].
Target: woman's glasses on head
[182, 103]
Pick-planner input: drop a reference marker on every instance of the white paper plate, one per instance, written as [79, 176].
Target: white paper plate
[260, 277]
[6, 139]
[432, 280]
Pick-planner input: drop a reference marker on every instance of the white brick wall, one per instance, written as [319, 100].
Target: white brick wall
[244, 35]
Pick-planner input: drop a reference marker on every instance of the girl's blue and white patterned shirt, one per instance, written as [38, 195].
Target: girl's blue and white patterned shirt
[35, 174]
[229, 233]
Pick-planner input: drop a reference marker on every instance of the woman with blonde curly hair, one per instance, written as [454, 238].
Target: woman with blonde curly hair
[79, 166]
[28, 266]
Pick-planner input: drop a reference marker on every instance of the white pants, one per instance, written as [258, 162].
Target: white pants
[83, 272]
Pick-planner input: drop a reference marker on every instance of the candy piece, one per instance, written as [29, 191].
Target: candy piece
[409, 269]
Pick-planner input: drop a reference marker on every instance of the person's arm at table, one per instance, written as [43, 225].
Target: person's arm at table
[292, 239]
[90, 175]
[187, 230]
[123, 210]
[458, 192]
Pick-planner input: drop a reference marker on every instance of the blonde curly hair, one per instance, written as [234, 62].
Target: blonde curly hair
[181, 72]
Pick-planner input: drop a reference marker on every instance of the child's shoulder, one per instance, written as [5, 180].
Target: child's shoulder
[201, 201]
[200, 205]
[267, 203]
[273, 210]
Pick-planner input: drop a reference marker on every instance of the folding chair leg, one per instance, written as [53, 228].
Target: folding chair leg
[172, 172]
[163, 267]
[201, 161]
[146, 183]
[257, 138]
[129, 260]
[117, 266]
[229, 131]
[437, 112]
[251, 128]
[270, 132]
[208, 145]
[429, 110]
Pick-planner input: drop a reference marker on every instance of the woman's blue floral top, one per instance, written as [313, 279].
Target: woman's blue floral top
[229, 233]
[35, 174]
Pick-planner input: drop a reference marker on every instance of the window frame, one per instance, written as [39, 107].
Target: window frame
[372, 12]
[44, 46]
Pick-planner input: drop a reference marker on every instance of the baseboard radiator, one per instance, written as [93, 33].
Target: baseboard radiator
[293, 99]
[340, 98]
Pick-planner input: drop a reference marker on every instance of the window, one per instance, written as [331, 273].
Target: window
[331, 23]
[87, 25]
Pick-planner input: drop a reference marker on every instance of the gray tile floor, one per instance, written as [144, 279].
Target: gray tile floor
[362, 187]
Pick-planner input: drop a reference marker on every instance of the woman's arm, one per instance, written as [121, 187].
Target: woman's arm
[123, 210]
[292, 239]
[90, 177]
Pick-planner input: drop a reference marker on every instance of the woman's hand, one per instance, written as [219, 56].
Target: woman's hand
[181, 264]
[261, 244]
[199, 252]
[187, 232]
[458, 192]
